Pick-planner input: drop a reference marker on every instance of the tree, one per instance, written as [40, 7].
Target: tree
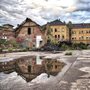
[70, 26]
[49, 67]
[48, 34]
[4, 43]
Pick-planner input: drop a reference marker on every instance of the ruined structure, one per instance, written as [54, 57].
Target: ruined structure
[29, 34]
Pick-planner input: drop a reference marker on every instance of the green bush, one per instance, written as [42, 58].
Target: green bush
[2, 41]
[88, 47]
[82, 46]
[68, 53]
[25, 49]
[10, 49]
[64, 46]
[0, 49]
[79, 46]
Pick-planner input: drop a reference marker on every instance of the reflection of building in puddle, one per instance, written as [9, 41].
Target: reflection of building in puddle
[7, 67]
[53, 66]
[32, 66]
[38, 60]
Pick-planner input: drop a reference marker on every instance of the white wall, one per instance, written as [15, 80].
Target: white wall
[38, 39]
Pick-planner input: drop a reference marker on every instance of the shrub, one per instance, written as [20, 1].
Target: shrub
[68, 53]
[25, 49]
[10, 49]
[82, 46]
[79, 46]
[2, 41]
[88, 47]
[64, 46]
[0, 49]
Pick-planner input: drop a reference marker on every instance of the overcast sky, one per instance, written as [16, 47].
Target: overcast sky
[42, 11]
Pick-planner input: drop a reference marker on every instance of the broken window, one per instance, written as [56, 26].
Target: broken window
[29, 31]
[55, 66]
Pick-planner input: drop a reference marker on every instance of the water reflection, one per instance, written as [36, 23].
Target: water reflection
[32, 66]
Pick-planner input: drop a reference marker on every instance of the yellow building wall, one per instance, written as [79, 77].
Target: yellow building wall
[62, 31]
[81, 35]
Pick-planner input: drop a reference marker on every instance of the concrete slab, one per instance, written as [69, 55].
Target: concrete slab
[74, 76]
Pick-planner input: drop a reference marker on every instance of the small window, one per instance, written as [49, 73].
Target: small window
[87, 38]
[87, 32]
[82, 32]
[58, 36]
[63, 37]
[40, 42]
[82, 37]
[72, 32]
[55, 30]
[56, 66]
[29, 31]
[72, 38]
[55, 36]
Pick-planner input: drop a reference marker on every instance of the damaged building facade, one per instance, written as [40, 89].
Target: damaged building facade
[7, 32]
[29, 34]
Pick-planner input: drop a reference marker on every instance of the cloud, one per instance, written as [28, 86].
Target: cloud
[83, 5]
[42, 11]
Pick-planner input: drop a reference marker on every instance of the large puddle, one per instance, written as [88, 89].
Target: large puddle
[30, 67]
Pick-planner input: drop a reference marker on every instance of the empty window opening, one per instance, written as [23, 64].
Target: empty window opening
[55, 36]
[29, 31]
[55, 30]
[58, 36]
